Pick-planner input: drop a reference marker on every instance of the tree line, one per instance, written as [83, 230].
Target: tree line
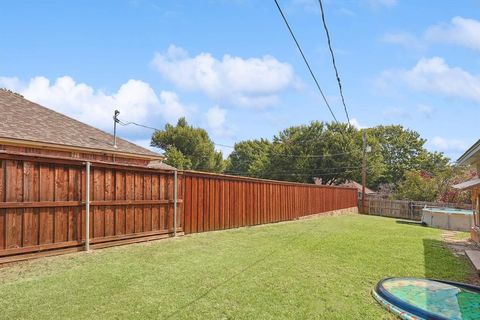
[398, 163]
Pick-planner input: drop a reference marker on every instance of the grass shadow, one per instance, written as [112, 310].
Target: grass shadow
[441, 263]
[411, 223]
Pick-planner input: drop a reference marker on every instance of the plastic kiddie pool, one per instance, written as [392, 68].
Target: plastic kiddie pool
[411, 298]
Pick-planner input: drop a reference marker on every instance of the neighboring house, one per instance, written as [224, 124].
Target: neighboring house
[358, 186]
[351, 184]
[472, 157]
[27, 127]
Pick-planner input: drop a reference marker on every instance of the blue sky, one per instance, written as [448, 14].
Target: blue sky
[232, 68]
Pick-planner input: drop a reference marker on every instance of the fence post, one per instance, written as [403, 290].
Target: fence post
[87, 207]
[175, 197]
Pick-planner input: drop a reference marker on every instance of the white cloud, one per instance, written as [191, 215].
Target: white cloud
[354, 122]
[404, 39]
[171, 108]
[434, 75]
[382, 3]
[9, 83]
[254, 82]
[461, 31]
[409, 113]
[135, 100]
[448, 145]
[216, 118]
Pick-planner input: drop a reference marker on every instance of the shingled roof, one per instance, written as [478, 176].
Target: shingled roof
[24, 120]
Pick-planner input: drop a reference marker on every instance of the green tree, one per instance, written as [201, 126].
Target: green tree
[417, 186]
[177, 159]
[330, 152]
[187, 147]
[403, 150]
[318, 150]
[449, 176]
[249, 158]
[420, 185]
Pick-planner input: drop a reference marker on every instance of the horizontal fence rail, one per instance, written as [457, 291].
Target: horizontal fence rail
[403, 209]
[43, 203]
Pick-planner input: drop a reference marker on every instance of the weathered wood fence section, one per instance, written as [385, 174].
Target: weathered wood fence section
[43, 203]
[216, 202]
[403, 209]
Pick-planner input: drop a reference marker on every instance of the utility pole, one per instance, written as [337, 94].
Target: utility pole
[364, 168]
[115, 121]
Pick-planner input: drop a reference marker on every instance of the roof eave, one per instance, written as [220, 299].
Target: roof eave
[470, 184]
[471, 155]
[64, 147]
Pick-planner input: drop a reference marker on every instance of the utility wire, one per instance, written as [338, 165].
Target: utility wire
[305, 60]
[136, 124]
[287, 173]
[324, 171]
[277, 173]
[127, 123]
[333, 60]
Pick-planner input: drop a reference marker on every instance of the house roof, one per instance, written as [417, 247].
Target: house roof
[470, 156]
[354, 184]
[349, 184]
[157, 164]
[26, 121]
[468, 184]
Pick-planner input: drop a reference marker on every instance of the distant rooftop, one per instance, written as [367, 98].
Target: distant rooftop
[354, 184]
[349, 184]
[24, 120]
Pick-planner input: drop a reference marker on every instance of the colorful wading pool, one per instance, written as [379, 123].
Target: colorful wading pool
[412, 298]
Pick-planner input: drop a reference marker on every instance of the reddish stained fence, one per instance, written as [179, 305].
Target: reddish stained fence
[42, 203]
[216, 202]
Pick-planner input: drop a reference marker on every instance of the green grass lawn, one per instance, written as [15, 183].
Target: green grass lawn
[322, 268]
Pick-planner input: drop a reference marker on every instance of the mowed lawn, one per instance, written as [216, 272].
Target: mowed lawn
[321, 268]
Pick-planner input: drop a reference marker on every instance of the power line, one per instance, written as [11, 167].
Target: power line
[136, 124]
[333, 60]
[324, 171]
[301, 172]
[305, 60]
[123, 123]
[278, 173]
[290, 173]
[296, 155]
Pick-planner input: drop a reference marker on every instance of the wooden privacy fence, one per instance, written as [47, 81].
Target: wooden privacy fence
[43, 203]
[403, 209]
[216, 202]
